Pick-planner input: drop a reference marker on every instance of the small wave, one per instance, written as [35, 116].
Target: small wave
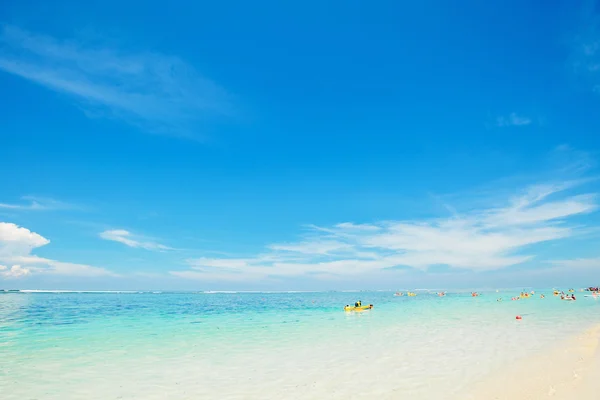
[75, 291]
[303, 291]
[284, 291]
[259, 291]
[219, 292]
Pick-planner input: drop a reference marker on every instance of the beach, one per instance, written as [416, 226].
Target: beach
[568, 370]
[297, 346]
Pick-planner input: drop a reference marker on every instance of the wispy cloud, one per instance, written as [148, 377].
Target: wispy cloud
[513, 119]
[585, 55]
[157, 92]
[16, 246]
[129, 239]
[577, 263]
[478, 240]
[39, 204]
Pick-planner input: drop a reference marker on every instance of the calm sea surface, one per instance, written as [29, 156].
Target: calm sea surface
[157, 345]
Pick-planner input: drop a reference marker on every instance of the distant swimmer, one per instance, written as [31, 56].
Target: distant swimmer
[542, 296]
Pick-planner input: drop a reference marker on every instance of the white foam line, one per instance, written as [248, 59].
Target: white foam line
[76, 291]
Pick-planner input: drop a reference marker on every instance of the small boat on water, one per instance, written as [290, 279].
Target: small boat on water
[358, 308]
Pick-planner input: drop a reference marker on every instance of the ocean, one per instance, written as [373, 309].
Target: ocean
[293, 345]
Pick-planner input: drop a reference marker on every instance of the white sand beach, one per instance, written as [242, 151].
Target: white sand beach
[571, 370]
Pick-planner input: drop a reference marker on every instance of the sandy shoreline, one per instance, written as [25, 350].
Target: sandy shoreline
[571, 370]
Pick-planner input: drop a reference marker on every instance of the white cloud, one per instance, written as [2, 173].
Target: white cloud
[159, 92]
[131, 240]
[38, 204]
[482, 239]
[512, 120]
[319, 247]
[360, 227]
[17, 244]
[578, 263]
[16, 271]
[15, 239]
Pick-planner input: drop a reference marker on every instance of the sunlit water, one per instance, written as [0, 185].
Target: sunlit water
[269, 345]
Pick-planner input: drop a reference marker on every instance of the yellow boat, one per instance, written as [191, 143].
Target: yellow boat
[359, 308]
[411, 294]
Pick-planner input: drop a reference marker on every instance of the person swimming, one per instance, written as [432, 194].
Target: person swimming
[357, 304]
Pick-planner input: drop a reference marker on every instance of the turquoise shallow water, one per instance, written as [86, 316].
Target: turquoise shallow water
[269, 345]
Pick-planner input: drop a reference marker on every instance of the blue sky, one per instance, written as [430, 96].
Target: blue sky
[314, 145]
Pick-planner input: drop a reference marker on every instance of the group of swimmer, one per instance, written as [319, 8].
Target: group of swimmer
[570, 296]
[409, 294]
[439, 294]
[525, 295]
[567, 296]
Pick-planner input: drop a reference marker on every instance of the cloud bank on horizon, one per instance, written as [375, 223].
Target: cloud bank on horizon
[479, 240]
[482, 239]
